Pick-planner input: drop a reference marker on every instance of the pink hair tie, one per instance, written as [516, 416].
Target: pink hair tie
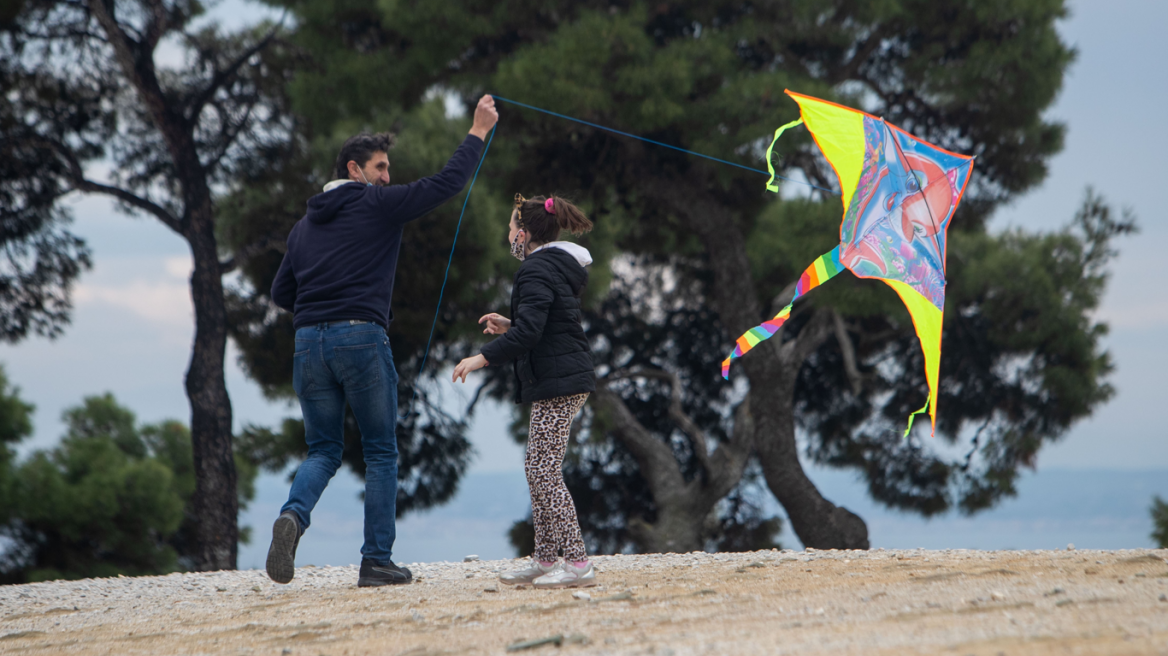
[549, 206]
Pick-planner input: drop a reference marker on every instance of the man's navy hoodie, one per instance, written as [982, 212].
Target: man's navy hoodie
[342, 256]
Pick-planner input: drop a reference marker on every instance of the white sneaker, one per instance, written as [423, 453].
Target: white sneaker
[567, 575]
[526, 575]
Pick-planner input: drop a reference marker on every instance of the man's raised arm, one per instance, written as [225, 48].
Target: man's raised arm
[408, 202]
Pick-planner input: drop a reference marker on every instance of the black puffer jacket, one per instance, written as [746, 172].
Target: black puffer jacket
[546, 343]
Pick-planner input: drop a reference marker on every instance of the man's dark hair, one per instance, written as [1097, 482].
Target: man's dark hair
[360, 149]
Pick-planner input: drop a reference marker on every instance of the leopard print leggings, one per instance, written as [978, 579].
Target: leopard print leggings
[552, 509]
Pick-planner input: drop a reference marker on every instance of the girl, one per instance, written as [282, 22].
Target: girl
[544, 340]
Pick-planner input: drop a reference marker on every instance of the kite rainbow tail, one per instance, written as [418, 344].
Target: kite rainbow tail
[824, 268]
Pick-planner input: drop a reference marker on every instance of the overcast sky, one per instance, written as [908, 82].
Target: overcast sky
[132, 326]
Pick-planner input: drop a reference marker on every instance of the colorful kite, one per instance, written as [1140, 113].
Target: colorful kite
[899, 195]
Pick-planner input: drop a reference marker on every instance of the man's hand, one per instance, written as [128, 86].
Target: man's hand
[468, 365]
[485, 117]
[496, 324]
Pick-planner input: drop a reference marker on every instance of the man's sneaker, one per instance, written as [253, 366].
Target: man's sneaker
[528, 574]
[567, 575]
[282, 553]
[373, 574]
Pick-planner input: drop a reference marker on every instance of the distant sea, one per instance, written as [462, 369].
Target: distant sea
[1093, 509]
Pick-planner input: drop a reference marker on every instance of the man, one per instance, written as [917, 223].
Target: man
[337, 279]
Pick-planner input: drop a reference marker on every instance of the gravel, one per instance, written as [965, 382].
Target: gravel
[910, 601]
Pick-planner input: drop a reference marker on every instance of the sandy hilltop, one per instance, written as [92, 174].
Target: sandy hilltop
[767, 602]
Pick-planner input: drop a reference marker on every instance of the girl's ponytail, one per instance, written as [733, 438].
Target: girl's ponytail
[545, 217]
[569, 217]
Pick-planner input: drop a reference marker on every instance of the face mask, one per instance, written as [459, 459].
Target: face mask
[518, 250]
[367, 182]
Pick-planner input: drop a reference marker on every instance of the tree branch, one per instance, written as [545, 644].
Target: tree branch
[131, 199]
[813, 335]
[241, 256]
[696, 435]
[228, 136]
[863, 51]
[783, 298]
[116, 38]
[156, 26]
[222, 76]
[655, 458]
[729, 459]
[81, 183]
[849, 351]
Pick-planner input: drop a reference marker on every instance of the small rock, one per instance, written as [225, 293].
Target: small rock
[1164, 597]
[583, 596]
[286, 651]
[1071, 546]
[491, 588]
[1056, 591]
[556, 640]
[471, 558]
[997, 596]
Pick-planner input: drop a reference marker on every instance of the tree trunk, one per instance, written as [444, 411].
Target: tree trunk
[216, 500]
[683, 507]
[677, 530]
[818, 522]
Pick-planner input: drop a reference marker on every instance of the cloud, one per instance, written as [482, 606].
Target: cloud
[1140, 316]
[163, 299]
[179, 267]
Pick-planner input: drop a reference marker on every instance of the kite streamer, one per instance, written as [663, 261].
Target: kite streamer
[821, 270]
[899, 194]
[771, 186]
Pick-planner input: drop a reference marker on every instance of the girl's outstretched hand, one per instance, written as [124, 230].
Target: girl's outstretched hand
[468, 365]
[497, 324]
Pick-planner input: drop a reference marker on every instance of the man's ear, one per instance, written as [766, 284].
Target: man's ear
[354, 171]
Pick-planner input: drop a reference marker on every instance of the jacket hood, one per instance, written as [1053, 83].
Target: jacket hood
[570, 259]
[333, 184]
[583, 257]
[323, 207]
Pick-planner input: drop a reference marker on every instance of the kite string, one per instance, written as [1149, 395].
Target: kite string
[442, 291]
[659, 143]
[458, 227]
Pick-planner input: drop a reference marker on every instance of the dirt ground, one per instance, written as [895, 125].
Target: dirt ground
[824, 602]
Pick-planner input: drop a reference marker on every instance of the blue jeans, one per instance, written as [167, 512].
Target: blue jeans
[333, 365]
